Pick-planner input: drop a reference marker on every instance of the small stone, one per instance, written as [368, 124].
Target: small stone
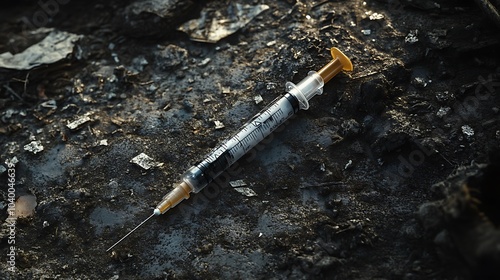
[443, 111]
[258, 99]
[444, 96]
[79, 122]
[12, 162]
[430, 215]
[139, 62]
[366, 32]
[348, 164]
[237, 183]
[412, 37]
[271, 43]
[2, 169]
[419, 82]
[322, 167]
[350, 127]
[171, 56]
[467, 131]
[144, 161]
[246, 191]
[12, 147]
[374, 16]
[271, 86]
[204, 62]
[34, 147]
[153, 88]
[219, 125]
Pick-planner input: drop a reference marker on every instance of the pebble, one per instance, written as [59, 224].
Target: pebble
[34, 147]
[79, 122]
[171, 56]
[412, 37]
[443, 111]
[467, 131]
[430, 215]
[144, 161]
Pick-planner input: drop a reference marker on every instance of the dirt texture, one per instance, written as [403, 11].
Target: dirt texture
[391, 173]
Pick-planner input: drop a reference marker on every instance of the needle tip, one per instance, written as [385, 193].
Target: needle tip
[130, 232]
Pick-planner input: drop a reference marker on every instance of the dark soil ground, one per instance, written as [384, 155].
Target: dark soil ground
[349, 189]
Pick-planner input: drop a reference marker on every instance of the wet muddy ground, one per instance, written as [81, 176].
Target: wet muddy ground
[356, 187]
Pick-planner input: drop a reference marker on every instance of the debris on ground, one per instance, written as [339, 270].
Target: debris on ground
[246, 191]
[34, 147]
[144, 161]
[154, 17]
[56, 46]
[219, 125]
[240, 186]
[215, 24]
[258, 99]
[79, 122]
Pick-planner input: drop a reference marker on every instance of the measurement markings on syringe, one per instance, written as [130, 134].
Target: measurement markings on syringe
[250, 134]
[261, 126]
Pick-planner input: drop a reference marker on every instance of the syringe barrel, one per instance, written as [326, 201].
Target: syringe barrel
[247, 137]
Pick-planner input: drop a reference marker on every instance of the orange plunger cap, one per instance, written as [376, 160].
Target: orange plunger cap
[339, 62]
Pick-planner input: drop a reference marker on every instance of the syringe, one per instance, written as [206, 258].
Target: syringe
[250, 134]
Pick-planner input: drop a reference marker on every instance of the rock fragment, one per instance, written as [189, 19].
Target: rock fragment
[144, 161]
[34, 147]
[78, 122]
[154, 17]
[213, 26]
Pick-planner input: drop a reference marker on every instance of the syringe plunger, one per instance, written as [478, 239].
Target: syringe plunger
[338, 63]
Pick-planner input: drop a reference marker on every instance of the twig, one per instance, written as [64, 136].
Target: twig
[13, 92]
[319, 4]
[25, 82]
[489, 10]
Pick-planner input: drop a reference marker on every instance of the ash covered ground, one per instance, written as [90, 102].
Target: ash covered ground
[389, 175]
